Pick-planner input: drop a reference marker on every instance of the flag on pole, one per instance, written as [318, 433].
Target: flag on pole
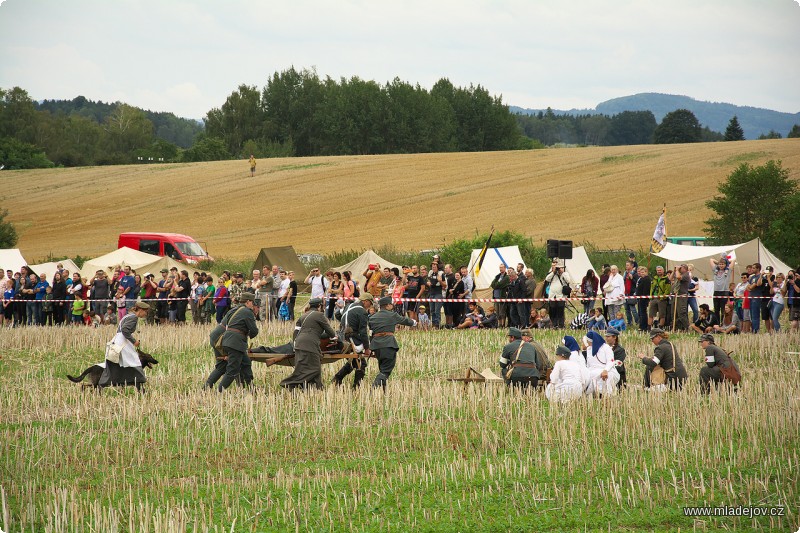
[481, 255]
[660, 234]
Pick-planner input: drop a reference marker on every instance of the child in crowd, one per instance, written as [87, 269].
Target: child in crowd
[598, 321]
[423, 319]
[619, 322]
[119, 301]
[110, 318]
[95, 321]
[47, 307]
[78, 307]
[544, 321]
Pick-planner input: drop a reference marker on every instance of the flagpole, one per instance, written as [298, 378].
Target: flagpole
[485, 248]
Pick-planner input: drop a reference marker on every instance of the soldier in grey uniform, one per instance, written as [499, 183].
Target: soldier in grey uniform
[354, 321]
[310, 327]
[241, 326]
[717, 359]
[519, 361]
[245, 377]
[664, 354]
[383, 343]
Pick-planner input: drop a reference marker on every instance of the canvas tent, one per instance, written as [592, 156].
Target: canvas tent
[361, 263]
[50, 268]
[286, 258]
[510, 256]
[139, 261]
[11, 259]
[746, 253]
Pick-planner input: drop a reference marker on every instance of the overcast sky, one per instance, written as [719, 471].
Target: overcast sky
[188, 56]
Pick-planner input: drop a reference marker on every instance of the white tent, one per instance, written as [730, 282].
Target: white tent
[746, 253]
[360, 264]
[506, 255]
[578, 266]
[50, 268]
[139, 261]
[11, 259]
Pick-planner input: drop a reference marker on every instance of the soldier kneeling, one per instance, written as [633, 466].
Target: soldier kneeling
[519, 361]
[720, 367]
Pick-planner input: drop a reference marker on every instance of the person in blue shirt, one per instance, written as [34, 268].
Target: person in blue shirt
[39, 291]
[128, 284]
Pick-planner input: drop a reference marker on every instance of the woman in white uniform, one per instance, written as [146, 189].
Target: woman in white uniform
[567, 380]
[123, 366]
[603, 375]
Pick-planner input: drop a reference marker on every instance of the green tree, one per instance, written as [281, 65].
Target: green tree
[632, 127]
[241, 118]
[761, 202]
[15, 154]
[794, 133]
[771, 135]
[8, 233]
[734, 131]
[679, 126]
[206, 149]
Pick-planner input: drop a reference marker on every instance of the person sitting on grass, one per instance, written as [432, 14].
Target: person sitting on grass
[472, 318]
[567, 380]
[707, 320]
[730, 321]
[597, 322]
[619, 322]
[544, 321]
[490, 320]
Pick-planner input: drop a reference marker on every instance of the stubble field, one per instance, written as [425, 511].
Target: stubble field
[609, 196]
[429, 455]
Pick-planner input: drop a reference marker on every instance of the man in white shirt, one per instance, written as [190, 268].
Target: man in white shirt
[317, 282]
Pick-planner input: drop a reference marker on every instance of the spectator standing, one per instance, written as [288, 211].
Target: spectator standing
[659, 295]
[150, 295]
[220, 300]
[291, 295]
[683, 280]
[559, 289]
[435, 285]
[631, 277]
[793, 299]
[59, 297]
[183, 292]
[499, 286]
[614, 291]
[777, 304]
[603, 280]
[757, 286]
[317, 283]
[721, 274]
[41, 291]
[334, 293]
[530, 291]
[589, 286]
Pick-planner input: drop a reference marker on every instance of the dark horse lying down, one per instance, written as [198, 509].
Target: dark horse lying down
[94, 372]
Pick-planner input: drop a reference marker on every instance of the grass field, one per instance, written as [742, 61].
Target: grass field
[608, 196]
[429, 455]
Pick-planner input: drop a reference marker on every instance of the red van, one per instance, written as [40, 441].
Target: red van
[178, 247]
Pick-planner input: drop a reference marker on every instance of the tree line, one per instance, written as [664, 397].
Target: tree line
[81, 132]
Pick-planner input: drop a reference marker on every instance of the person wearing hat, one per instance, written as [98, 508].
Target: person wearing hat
[612, 339]
[719, 366]
[162, 291]
[310, 328]
[237, 288]
[424, 319]
[245, 376]
[567, 380]
[110, 317]
[239, 326]
[353, 330]
[519, 361]
[665, 355]
[603, 374]
[543, 363]
[383, 343]
[123, 366]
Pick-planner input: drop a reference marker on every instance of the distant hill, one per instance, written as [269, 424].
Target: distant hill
[753, 120]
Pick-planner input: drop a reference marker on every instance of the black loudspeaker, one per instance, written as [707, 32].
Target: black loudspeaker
[565, 249]
[552, 248]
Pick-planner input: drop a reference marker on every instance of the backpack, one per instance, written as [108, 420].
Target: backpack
[356, 292]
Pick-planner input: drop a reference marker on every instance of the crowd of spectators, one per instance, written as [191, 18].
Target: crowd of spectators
[621, 299]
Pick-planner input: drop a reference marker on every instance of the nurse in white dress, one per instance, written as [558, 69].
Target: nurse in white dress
[567, 380]
[603, 375]
[122, 365]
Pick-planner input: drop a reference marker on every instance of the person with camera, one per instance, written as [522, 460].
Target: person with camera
[150, 291]
[372, 275]
[101, 291]
[435, 284]
[317, 283]
[560, 288]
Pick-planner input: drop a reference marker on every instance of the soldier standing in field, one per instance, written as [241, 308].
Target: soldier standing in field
[310, 328]
[245, 370]
[383, 343]
[355, 318]
[241, 326]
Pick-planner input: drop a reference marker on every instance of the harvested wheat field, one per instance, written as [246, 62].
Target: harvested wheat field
[609, 196]
[428, 455]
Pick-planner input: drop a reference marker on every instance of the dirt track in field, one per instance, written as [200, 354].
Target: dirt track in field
[609, 196]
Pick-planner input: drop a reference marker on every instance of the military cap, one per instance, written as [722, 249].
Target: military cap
[514, 332]
[164, 270]
[386, 300]
[238, 275]
[366, 296]
[247, 297]
[706, 337]
[526, 333]
[142, 305]
[656, 332]
[563, 351]
[315, 302]
[612, 331]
